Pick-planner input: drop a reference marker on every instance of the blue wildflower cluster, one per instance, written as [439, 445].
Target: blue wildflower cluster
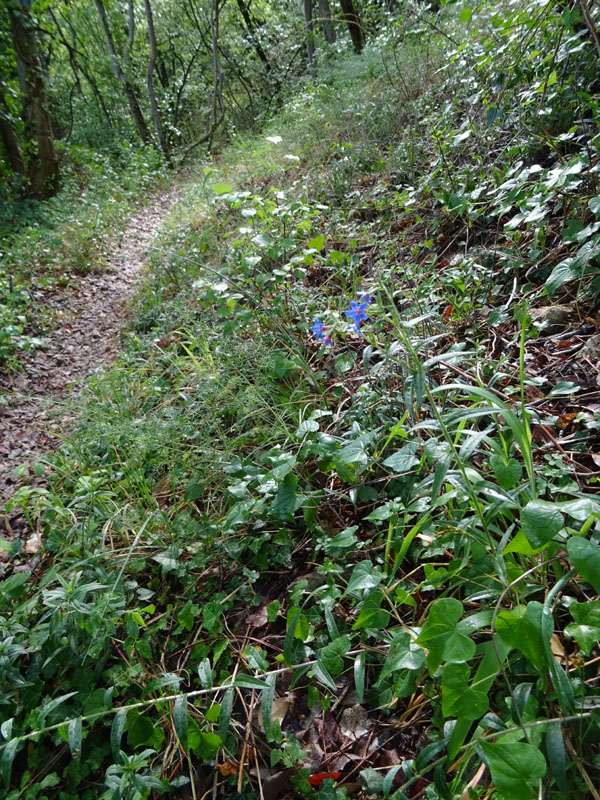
[357, 313]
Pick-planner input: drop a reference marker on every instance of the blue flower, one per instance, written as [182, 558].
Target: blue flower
[317, 329]
[356, 312]
[365, 298]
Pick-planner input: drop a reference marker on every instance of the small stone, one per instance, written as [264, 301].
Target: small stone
[551, 319]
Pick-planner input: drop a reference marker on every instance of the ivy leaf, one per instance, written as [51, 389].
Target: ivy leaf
[404, 459]
[458, 698]
[364, 576]
[371, 615]
[440, 637]
[509, 473]
[586, 627]
[514, 767]
[330, 656]
[403, 654]
[541, 521]
[585, 557]
[211, 617]
[521, 628]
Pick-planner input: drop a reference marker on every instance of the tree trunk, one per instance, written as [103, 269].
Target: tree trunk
[250, 27]
[129, 89]
[160, 132]
[217, 109]
[310, 36]
[351, 17]
[9, 140]
[42, 166]
[327, 21]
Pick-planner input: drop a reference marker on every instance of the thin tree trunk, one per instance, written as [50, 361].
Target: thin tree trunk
[9, 140]
[351, 17]
[309, 32]
[42, 167]
[136, 111]
[251, 28]
[217, 109]
[164, 145]
[327, 21]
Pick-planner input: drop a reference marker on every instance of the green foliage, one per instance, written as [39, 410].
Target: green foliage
[250, 520]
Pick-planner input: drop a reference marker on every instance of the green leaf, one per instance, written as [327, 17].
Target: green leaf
[222, 188]
[263, 240]
[359, 675]
[557, 757]
[205, 674]
[509, 473]
[180, 719]
[404, 459]
[208, 746]
[585, 557]
[403, 654]
[75, 736]
[116, 733]
[287, 501]
[440, 637]
[541, 521]
[594, 205]
[364, 576]
[514, 766]
[225, 715]
[458, 698]
[213, 713]
[330, 656]
[371, 615]
[586, 628]
[466, 14]
[317, 243]
[521, 629]
[142, 732]
[211, 617]
[8, 756]
[186, 616]
[268, 696]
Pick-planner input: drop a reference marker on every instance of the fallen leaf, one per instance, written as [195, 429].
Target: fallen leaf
[319, 777]
[227, 768]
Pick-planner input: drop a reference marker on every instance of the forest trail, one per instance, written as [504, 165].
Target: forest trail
[89, 318]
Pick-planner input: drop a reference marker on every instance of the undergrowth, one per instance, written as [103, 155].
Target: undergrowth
[47, 246]
[330, 528]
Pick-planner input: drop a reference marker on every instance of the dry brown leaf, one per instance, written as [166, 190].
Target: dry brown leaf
[227, 768]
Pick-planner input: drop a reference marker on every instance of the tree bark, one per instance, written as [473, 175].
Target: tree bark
[42, 166]
[9, 140]
[124, 80]
[327, 21]
[160, 132]
[310, 34]
[351, 17]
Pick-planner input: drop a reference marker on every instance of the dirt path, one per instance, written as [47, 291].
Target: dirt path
[86, 340]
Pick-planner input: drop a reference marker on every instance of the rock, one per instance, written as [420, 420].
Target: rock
[591, 349]
[551, 319]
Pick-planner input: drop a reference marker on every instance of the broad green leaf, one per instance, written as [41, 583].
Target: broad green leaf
[586, 627]
[364, 576]
[514, 767]
[180, 719]
[458, 698]
[207, 746]
[211, 616]
[466, 14]
[330, 656]
[508, 474]
[541, 521]
[403, 654]
[142, 732]
[371, 615]
[186, 616]
[585, 557]
[440, 637]
[317, 243]
[222, 188]
[287, 501]
[404, 459]
[521, 629]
